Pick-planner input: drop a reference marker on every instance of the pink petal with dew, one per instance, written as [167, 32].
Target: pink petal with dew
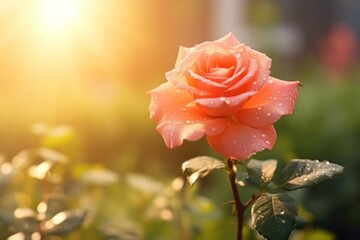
[238, 81]
[274, 99]
[223, 106]
[205, 84]
[240, 141]
[263, 72]
[229, 39]
[178, 119]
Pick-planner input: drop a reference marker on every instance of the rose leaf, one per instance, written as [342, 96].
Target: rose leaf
[201, 166]
[260, 172]
[301, 173]
[273, 215]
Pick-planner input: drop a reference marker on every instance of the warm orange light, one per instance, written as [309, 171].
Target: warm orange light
[59, 14]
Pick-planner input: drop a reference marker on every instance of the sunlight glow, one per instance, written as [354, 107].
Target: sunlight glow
[59, 14]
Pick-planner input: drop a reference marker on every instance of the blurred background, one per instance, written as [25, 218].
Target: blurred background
[74, 76]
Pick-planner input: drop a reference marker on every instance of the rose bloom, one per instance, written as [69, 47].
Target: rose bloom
[222, 89]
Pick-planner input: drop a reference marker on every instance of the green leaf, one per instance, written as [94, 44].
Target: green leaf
[201, 166]
[261, 172]
[25, 220]
[300, 173]
[273, 215]
[64, 222]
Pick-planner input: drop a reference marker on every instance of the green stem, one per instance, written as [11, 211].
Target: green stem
[239, 207]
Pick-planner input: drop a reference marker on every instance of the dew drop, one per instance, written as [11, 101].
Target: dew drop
[222, 98]
[268, 114]
[305, 179]
[267, 142]
[282, 212]
[227, 101]
[263, 135]
[188, 121]
[280, 104]
[270, 81]
[213, 129]
[283, 221]
[259, 108]
[326, 162]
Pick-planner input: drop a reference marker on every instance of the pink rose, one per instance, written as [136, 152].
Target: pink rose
[222, 89]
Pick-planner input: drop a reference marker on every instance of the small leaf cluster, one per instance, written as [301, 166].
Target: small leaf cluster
[33, 204]
[273, 211]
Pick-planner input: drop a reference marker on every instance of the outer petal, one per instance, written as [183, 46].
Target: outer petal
[240, 141]
[274, 99]
[177, 118]
[223, 106]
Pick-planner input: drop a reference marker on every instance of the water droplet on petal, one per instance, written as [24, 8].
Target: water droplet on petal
[267, 142]
[326, 162]
[268, 114]
[282, 212]
[270, 81]
[259, 108]
[263, 135]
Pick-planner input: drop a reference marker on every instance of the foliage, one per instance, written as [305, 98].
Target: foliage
[273, 212]
[47, 195]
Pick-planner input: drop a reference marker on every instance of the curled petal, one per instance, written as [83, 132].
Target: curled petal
[240, 141]
[203, 83]
[178, 119]
[241, 80]
[274, 99]
[223, 106]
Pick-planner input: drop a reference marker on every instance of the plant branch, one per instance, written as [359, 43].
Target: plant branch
[239, 207]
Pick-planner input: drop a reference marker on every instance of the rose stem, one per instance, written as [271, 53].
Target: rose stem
[239, 207]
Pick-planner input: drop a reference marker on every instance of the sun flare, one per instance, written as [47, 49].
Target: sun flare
[59, 14]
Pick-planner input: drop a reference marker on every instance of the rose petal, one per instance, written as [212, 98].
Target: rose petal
[178, 119]
[238, 81]
[240, 141]
[205, 84]
[263, 73]
[223, 106]
[183, 51]
[274, 99]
